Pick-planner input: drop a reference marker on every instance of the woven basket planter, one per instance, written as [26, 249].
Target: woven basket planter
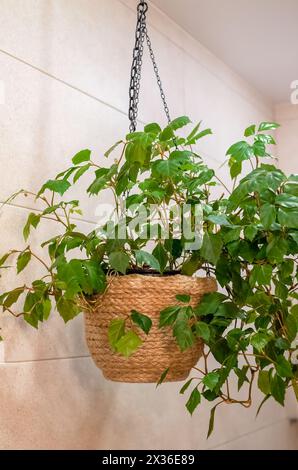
[149, 295]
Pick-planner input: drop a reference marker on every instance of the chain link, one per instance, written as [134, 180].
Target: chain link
[136, 67]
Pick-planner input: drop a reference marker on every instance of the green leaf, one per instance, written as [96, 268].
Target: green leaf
[241, 374]
[57, 186]
[144, 258]
[264, 381]
[261, 274]
[111, 149]
[128, 343]
[267, 215]
[115, 331]
[68, 309]
[183, 298]
[203, 331]
[4, 258]
[166, 168]
[288, 218]
[251, 130]
[240, 151]
[161, 255]
[119, 261]
[219, 219]
[199, 135]
[291, 327]
[144, 322]
[283, 367]
[152, 128]
[210, 303]
[211, 421]
[47, 307]
[168, 316]
[278, 389]
[191, 265]
[32, 221]
[287, 200]
[185, 386]
[250, 232]
[22, 261]
[162, 377]
[261, 404]
[266, 126]
[80, 172]
[193, 401]
[235, 168]
[177, 123]
[10, 298]
[182, 331]
[82, 156]
[259, 148]
[211, 247]
[260, 340]
[211, 380]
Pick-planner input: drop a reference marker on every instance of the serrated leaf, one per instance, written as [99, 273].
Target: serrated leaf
[82, 156]
[80, 172]
[57, 186]
[267, 215]
[22, 261]
[193, 401]
[260, 340]
[68, 309]
[168, 316]
[152, 128]
[144, 258]
[203, 331]
[182, 331]
[211, 247]
[143, 321]
[32, 221]
[210, 303]
[278, 389]
[261, 274]
[211, 380]
[264, 381]
[128, 343]
[283, 367]
[119, 261]
[115, 331]
[161, 255]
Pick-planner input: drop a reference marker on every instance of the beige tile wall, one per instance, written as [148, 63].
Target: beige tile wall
[65, 67]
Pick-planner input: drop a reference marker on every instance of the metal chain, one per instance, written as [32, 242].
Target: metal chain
[159, 83]
[135, 76]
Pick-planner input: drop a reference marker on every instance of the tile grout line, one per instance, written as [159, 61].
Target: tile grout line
[67, 84]
[28, 361]
[248, 433]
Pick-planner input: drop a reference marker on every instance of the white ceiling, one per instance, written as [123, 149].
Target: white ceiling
[256, 38]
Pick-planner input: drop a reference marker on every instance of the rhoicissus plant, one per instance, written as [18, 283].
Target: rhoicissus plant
[247, 239]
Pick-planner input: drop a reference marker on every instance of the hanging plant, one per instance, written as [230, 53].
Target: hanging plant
[246, 240]
[148, 316]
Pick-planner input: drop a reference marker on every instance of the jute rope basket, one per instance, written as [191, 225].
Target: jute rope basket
[148, 294]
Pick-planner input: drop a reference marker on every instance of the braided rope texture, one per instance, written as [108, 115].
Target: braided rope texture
[149, 295]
